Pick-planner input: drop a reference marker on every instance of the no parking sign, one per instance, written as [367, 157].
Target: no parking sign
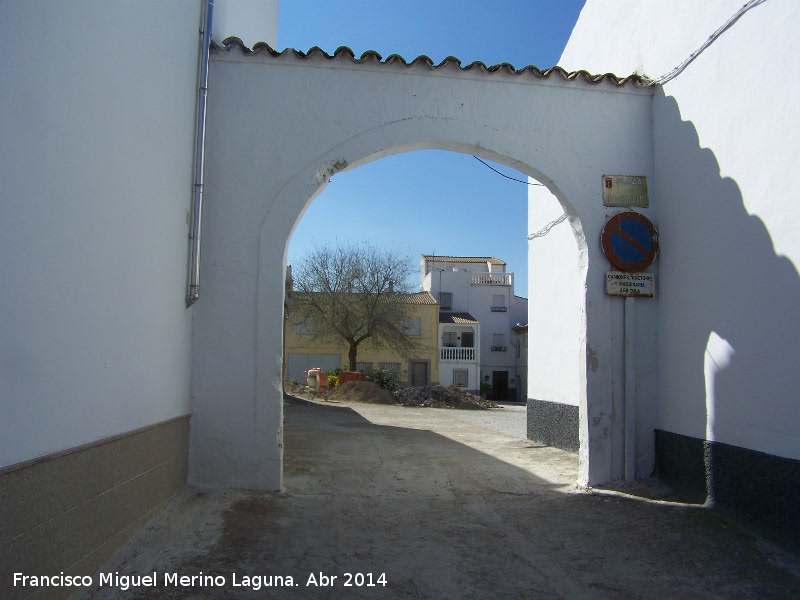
[630, 241]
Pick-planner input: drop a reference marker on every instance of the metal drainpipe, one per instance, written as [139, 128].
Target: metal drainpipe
[199, 153]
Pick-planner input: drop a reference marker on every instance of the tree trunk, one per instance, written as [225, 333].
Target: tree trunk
[352, 355]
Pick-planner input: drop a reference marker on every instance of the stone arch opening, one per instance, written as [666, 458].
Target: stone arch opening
[579, 246]
[483, 230]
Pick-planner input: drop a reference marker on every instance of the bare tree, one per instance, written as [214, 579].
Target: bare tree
[354, 293]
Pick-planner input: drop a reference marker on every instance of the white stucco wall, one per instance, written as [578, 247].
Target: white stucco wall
[446, 374]
[96, 128]
[457, 283]
[519, 310]
[556, 313]
[251, 21]
[265, 167]
[726, 150]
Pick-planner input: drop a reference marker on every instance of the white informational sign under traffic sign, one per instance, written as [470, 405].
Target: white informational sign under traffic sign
[624, 283]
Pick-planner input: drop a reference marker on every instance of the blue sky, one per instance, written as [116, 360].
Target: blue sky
[440, 202]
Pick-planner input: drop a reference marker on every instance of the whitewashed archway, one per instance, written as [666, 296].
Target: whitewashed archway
[280, 125]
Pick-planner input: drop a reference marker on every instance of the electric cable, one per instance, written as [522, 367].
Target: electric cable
[503, 174]
[712, 38]
[546, 229]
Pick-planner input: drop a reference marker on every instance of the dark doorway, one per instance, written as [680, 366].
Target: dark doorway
[500, 385]
[467, 339]
[419, 373]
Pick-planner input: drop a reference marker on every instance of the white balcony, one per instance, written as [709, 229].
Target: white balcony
[455, 354]
[492, 278]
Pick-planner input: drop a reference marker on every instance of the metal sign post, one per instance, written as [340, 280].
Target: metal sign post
[630, 390]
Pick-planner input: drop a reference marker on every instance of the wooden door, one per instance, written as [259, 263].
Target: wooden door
[419, 373]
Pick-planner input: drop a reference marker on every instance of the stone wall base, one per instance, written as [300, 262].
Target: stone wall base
[554, 424]
[761, 489]
[71, 510]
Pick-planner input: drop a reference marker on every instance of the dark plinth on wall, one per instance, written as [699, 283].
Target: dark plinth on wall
[554, 424]
[70, 511]
[761, 489]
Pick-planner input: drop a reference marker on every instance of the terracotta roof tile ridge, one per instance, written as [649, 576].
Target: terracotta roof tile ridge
[371, 56]
[457, 317]
[425, 298]
[463, 315]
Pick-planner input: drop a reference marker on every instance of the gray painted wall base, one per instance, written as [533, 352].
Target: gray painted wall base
[70, 511]
[760, 488]
[554, 424]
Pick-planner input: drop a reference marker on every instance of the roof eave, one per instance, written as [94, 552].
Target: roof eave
[372, 57]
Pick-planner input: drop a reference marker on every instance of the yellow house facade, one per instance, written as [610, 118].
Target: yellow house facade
[303, 350]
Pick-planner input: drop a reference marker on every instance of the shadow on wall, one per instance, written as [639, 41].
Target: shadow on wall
[728, 335]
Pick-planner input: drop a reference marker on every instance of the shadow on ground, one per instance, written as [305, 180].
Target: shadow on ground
[438, 508]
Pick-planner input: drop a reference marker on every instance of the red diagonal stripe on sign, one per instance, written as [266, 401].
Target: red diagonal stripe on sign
[624, 235]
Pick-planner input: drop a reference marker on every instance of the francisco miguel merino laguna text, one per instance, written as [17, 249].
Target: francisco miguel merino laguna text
[254, 582]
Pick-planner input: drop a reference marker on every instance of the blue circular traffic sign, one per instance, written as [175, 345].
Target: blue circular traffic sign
[630, 242]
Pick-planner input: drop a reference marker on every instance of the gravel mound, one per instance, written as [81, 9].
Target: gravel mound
[362, 391]
[437, 396]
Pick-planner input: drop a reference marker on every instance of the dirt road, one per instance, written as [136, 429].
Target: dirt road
[414, 503]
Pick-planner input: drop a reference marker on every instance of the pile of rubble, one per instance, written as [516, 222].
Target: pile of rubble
[437, 396]
[361, 391]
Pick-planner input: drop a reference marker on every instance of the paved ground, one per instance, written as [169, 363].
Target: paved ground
[511, 419]
[426, 505]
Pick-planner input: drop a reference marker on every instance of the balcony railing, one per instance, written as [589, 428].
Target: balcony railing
[457, 354]
[499, 309]
[492, 278]
[499, 348]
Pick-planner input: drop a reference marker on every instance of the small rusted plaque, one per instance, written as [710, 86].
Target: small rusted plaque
[627, 191]
[623, 283]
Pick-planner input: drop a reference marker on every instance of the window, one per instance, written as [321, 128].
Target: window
[305, 328]
[460, 377]
[499, 303]
[363, 367]
[413, 327]
[390, 367]
[449, 339]
[498, 342]
[445, 301]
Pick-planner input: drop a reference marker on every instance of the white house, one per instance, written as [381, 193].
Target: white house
[477, 311]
